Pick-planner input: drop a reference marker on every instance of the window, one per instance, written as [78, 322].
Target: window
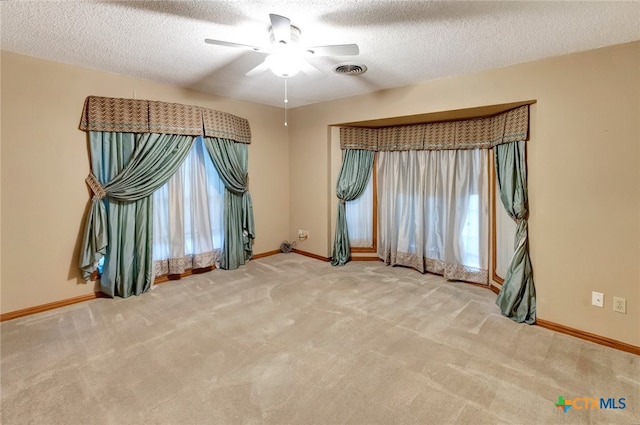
[361, 218]
[503, 235]
[433, 211]
[470, 236]
[188, 216]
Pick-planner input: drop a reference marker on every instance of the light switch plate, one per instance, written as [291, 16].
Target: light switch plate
[597, 299]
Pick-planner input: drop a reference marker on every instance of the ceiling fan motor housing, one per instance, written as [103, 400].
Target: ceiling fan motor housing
[294, 38]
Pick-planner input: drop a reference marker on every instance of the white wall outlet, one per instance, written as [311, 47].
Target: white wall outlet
[620, 305]
[303, 235]
[597, 299]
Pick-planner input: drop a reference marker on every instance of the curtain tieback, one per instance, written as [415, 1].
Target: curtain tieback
[95, 186]
[343, 202]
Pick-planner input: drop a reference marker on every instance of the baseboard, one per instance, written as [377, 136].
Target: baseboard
[587, 336]
[309, 254]
[365, 259]
[266, 254]
[62, 303]
[49, 306]
[608, 342]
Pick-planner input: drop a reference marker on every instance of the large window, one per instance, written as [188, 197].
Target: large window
[361, 218]
[188, 230]
[471, 235]
[503, 235]
[433, 212]
[362, 227]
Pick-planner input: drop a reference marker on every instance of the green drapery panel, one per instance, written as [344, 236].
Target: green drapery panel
[231, 161]
[352, 181]
[130, 167]
[517, 297]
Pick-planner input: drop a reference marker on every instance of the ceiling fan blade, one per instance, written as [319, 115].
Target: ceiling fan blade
[237, 45]
[264, 66]
[309, 69]
[334, 50]
[281, 28]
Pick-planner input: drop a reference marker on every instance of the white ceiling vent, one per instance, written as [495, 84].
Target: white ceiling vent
[350, 69]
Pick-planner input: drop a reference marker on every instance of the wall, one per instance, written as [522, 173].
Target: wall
[45, 161]
[584, 173]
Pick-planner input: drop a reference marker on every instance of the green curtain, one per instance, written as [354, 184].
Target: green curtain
[352, 181]
[517, 298]
[130, 167]
[231, 162]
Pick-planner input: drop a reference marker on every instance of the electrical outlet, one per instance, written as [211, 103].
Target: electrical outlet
[597, 299]
[303, 235]
[620, 305]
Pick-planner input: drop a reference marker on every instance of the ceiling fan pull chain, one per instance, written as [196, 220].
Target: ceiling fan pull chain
[286, 100]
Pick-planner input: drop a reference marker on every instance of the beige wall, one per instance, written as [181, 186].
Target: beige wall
[45, 161]
[584, 173]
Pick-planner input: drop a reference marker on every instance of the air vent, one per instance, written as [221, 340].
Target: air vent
[350, 69]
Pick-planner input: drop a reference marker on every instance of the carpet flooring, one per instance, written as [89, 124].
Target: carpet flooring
[291, 340]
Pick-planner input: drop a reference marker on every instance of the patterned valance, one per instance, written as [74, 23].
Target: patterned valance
[146, 116]
[481, 133]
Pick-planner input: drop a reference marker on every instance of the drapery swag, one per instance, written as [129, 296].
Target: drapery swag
[230, 159]
[126, 169]
[354, 176]
[120, 228]
[130, 167]
[517, 297]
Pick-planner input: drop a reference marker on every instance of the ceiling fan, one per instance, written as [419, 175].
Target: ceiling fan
[285, 57]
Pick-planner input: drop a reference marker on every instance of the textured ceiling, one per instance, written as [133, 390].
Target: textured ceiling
[401, 42]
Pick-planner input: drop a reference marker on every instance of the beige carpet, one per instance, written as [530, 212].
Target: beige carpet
[291, 340]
